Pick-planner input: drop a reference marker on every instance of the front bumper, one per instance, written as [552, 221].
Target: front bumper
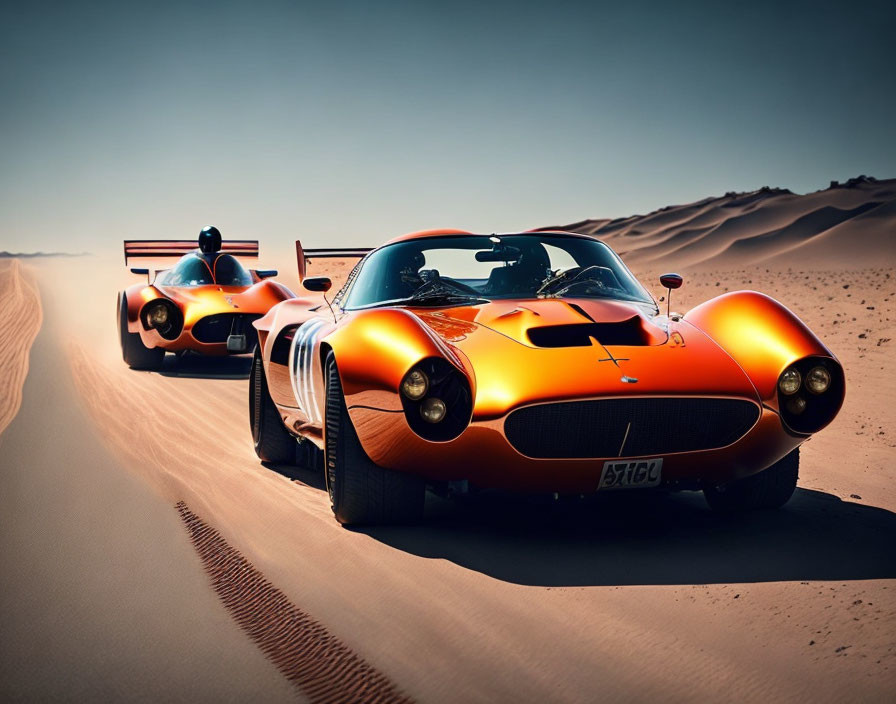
[483, 455]
[219, 338]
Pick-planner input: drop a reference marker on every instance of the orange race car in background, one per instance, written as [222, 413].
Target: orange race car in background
[533, 362]
[205, 303]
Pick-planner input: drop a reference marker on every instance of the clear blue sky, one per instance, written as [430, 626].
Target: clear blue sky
[350, 122]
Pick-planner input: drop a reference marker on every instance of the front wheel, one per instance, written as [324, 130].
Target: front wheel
[135, 354]
[273, 442]
[362, 492]
[771, 488]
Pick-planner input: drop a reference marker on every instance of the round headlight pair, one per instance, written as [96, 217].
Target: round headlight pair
[414, 387]
[818, 380]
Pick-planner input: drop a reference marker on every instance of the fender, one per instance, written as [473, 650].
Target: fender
[760, 334]
[291, 311]
[137, 296]
[268, 288]
[378, 349]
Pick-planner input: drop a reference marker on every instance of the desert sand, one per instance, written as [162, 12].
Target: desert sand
[153, 556]
[20, 318]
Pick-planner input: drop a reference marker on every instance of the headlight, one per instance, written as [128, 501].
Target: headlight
[158, 315]
[433, 410]
[436, 399]
[818, 380]
[796, 405]
[415, 385]
[789, 383]
[164, 317]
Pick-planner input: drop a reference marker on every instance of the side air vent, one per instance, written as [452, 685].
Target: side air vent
[280, 350]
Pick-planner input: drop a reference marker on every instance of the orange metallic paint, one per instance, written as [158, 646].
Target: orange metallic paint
[483, 456]
[427, 233]
[759, 333]
[734, 346]
[196, 302]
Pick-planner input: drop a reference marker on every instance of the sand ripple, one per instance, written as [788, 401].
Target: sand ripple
[20, 319]
[318, 663]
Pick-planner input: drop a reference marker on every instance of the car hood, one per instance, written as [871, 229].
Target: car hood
[520, 352]
[212, 299]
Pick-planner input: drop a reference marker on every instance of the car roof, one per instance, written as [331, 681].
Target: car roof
[426, 234]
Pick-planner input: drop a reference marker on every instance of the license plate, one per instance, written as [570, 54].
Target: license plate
[631, 474]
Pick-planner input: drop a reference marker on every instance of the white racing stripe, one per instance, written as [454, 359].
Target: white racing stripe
[301, 358]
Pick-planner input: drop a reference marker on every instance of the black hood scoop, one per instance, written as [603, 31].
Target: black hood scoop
[629, 332]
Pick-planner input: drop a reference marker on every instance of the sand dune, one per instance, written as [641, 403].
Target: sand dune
[772, 226]
[20, 319]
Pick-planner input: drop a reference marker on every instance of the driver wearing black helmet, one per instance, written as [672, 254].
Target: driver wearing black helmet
[224, 268]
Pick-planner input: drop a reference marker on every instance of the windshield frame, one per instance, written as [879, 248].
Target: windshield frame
[343, 297]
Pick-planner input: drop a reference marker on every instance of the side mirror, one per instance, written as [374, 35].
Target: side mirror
[265, 273]
[320, 284]
[671, 281]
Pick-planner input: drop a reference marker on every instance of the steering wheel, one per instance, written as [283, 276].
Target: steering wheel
[593, 274]
[565, 277]
[433, 277]
[454, 283]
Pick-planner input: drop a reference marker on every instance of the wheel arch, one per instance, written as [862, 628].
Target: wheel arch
[136, 297]
[762, 335]
[376, 349]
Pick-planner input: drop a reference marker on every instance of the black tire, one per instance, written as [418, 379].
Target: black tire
[771, 488]
[135, 354]
[362, 492]
[273, 442]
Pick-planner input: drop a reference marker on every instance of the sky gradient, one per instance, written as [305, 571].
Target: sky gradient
[348, 123]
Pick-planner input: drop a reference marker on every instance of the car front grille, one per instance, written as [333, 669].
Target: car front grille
[217, 328]
[628, 427]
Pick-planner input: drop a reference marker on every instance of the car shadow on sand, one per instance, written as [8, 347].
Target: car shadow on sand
[194, 366]
[653, 539]
[309, 477]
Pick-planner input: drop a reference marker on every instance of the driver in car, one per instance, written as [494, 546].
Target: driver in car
[407, 277]
[225, 269]
[524, 276]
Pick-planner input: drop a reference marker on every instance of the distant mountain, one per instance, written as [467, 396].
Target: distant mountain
[31, 255]
[852, 224]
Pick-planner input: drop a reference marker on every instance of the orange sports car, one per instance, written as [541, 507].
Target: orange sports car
[532, 362]
[204, 303]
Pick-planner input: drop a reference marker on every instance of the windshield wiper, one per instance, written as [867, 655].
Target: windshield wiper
[438, 289]
[449, 297]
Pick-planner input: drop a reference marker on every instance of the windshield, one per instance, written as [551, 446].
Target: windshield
[450, 269]
[195, 270]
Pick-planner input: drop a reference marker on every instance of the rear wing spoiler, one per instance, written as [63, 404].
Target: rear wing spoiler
[303, 256]
[161, 249]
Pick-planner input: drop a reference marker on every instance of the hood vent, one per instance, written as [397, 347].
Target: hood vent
[629, 332]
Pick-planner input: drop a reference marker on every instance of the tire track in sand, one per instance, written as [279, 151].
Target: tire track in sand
[315, 661]
[20, 320]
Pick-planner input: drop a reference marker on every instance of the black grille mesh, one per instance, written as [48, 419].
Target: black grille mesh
[658, 426]
[216, 328]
